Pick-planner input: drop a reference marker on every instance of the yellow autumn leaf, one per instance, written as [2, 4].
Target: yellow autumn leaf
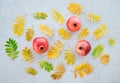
[46, 30]
[104, 59]
[83, 69]
[69, 57]
[101, 31]
[55, 50]
[60, 70]
[111, 41]
[93, 17]
[75, 8]
[27, 54]
[18, 26]
[31, 71]
[57, 16]
[64, 34]
[84, 33]
[29, 34]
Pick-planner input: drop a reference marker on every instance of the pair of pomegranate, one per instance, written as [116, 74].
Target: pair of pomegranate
[41, 45]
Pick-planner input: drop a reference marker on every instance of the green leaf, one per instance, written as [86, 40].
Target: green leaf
[15, 47]
[13, 57]
[46, 66]
[40, 15]
[8, 42]
[97, 51]
[11, 48]
[16, 53]
[7, 45]
[10, 54]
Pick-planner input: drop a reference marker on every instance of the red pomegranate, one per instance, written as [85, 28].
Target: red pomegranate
[40, 45]
[73, 24]
[83, 47]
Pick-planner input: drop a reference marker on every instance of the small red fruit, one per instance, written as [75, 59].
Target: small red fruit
[73, 24]
[83, 47]
[40, 45]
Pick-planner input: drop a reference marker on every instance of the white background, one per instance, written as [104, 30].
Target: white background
[13, 71]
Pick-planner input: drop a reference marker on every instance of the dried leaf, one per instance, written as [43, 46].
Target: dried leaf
[84, 33]
[31, 71]
[54, 51]
[111, 41]
[19, 25]
[59, 45]
[29, 34]
[93, 17]
[60, 68]
[56, 75]
[46, 30]
[75, 8]
[83, 69]
[64, 34]
[69, 57]
[104, 59]
[100, 32]
[59, 72]
[57, 16]
[27, 54]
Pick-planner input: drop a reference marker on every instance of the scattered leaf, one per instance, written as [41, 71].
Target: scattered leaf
[29, 34]
[97, 51]
[54, 51]
[64, 34]
[46, 30]
[11, 48]
[84, 33]
[104, 59]
[100, 32]
[19, 25]
[57, 16]
[40, 15]
[83, 69]
[31, 71]
[46, 66]
[69, 57]
[60, 68]
[93, 17]
[111, 41]
[27, 54]
[58, 73]
[75, 8]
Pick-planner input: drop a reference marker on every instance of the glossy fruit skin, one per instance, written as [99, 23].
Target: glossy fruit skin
[83, 47]
[73, 24]
[40, 45]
